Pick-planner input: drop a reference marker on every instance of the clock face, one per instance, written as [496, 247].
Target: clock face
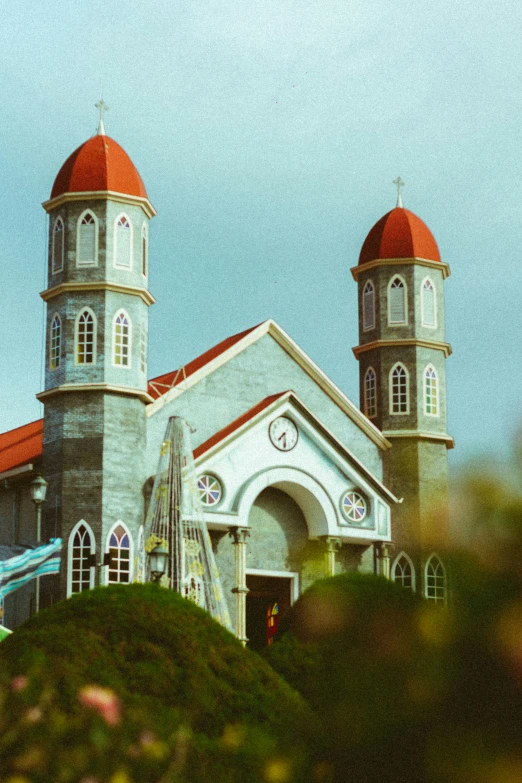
[283, 433]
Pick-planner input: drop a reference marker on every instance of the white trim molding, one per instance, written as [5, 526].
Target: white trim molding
[95, 285]
[292, 576]
[94, 335]
[393, 412]
[379, 262]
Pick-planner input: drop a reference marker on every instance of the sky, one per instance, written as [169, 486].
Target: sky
[268, 134]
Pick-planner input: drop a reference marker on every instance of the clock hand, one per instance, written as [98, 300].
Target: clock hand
[280, 438]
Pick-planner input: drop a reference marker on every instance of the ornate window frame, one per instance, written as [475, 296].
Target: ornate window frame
[370, 393]
[423, 303]
[368, 306]
[412, 567]
[117, 340]
[404, 285]
[57, 267]
[391, 391]
[77, 336]
[116, 264]
[94, 262]
[55, 342]
[70, 547]
[107, 579]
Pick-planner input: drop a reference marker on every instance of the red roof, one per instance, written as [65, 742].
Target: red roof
[99, 164]
[236, 424]
[21, 446]
[161, 385]
[399, 234]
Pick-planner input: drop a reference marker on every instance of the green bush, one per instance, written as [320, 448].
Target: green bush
[134, 682]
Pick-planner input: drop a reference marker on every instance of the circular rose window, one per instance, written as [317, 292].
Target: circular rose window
[210, 490]
[354, 507]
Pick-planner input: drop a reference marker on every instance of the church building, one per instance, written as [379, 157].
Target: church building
[296, 481]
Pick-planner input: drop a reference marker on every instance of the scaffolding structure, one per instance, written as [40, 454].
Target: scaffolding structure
[175, 520]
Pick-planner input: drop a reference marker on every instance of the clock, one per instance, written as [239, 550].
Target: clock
[283, 433]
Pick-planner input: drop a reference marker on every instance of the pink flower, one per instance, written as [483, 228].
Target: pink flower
[19, 683]
[102, 700]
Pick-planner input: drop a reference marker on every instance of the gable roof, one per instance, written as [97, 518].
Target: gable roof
[220, 438]
[171, 385]
[21, 445]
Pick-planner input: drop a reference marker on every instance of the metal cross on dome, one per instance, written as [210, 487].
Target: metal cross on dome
[400, 184]
[101, 106]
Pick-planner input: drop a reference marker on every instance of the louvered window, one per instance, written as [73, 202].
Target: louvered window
[435, 580]
[431, 391]
[81, 571]
[58, 245]
[123, 243]
[85, 338]
[87, 240]
[56, 341]
[122, 338]
[399, 390]
[368, 306]
[119, 550]
[428, 304]
[370, 397]
[397, 302]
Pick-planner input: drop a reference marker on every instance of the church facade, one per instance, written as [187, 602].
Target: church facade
[296, 481]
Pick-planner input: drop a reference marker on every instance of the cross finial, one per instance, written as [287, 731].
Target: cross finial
[400, 184]
[101, 106]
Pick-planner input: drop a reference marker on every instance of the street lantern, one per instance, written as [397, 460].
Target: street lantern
[38, 493]
[158, 558]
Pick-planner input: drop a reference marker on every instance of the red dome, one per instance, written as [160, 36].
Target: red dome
[399, 234]
[99, 164]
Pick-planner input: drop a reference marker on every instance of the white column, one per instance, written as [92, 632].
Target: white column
[383, 554]
[332, 545]
[239, 536]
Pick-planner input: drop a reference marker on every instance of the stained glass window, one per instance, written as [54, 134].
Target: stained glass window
[370, 396]
[119, 550]
[85, 338]
[271, 622]
[431, 391]
[86, 252]
[56, 340]
[210, 490]
[123, 243]
[58, 245]
[122, 337]
[435, 580]
[354, 507]
[80, 564]
[397, 302]
[403, 573]
[368, 306]
[428, 304]
[399, 389]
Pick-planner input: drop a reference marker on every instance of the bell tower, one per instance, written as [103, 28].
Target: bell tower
[95, 394]
[402, 354]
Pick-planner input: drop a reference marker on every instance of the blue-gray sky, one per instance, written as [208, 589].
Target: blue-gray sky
[268, 134]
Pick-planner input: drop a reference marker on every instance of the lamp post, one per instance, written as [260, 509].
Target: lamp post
[38, 493]
[158, 562]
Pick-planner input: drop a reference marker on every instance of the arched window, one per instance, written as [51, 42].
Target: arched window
[56, 343]
[144, 250]
[429, 313]
[143, 347]
[81, 558]
[123, 242]
[85, 337]
[435, 580]
[87, 240]
[397, 301]
[121, 351]
[399, 389]
[58, 245]
[119, 549]
[370, 395]
[368, 306]
[431, 391]
[403, 572]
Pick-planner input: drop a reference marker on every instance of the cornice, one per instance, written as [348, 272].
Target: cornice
[420, 435]
[67, 388]
[100, 195]
[442, 265]
[98, 285]
[434, 344]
